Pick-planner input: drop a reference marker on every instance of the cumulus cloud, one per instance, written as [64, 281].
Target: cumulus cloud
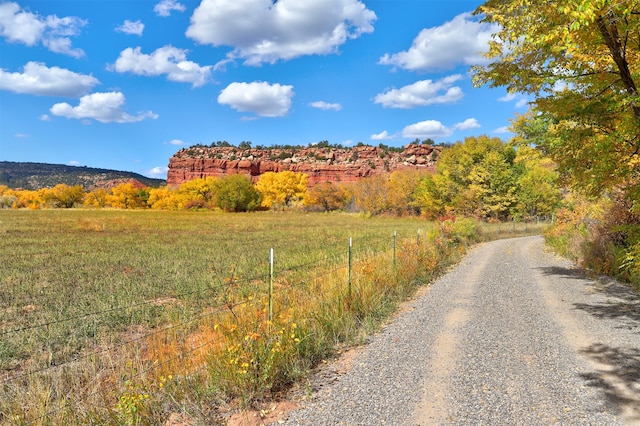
[435, 129]
[326, 105]
[501, 130]
[521, 101]
[158, 172]
[468, 124]
[131, 27]
[167, 60]
[258, 97]
[422, 93]
[462, 40]
[38, 79]
[381, 136]
[104, 107]
[177, 142]
[20, 26]
[265, 31]
[165, 7]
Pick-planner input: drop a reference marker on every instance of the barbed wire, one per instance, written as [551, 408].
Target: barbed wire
[364, 254]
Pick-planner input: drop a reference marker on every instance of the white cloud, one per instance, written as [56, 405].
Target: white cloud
[258, 97]
[326, 105]
[22, 135]
[177, 142]
[38, 79]
[508, 97]
[468, 124]
[521, 100]
[267, 31]
[167, 60]
[460, 41]
[158, 172]
[165, 7]
[44, 117]
[435, 129]
[104, 107]
[74, 163]
[20, 26]
[501, 130]
[381, 136]
[422, 93]
[131, 27]
[426, 129]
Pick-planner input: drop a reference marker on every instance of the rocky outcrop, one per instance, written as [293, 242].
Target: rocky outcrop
[320, 164]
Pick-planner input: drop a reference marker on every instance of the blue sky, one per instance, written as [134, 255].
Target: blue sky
[123, 84]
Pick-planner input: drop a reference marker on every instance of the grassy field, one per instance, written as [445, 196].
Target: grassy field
[83, 295]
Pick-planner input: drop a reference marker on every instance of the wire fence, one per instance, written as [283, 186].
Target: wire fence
[92, 375]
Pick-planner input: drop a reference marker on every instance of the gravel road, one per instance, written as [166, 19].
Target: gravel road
[511, 336]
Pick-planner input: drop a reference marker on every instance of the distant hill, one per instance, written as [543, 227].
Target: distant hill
[42, 175]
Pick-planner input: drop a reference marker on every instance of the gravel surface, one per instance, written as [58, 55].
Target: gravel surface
[512, 336]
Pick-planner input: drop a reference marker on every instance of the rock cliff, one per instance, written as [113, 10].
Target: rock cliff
[320, 164]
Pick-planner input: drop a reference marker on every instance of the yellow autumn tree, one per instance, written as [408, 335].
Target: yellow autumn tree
[64, 196]
[7, 197]
[199, 192]
[29, 199]
[371, 194]
[96, 199]
[165, 198]
[327, 196]
[402, 186]
[282, 189]
[125, 196]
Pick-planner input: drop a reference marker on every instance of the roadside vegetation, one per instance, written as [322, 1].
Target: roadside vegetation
[579, 61]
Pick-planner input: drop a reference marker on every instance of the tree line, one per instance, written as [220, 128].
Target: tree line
[481, 177]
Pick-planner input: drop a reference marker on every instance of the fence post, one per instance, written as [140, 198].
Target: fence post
[395, 234]
[350, 264]
[271, 285]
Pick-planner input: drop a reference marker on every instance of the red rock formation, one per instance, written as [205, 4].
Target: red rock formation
[320, 164]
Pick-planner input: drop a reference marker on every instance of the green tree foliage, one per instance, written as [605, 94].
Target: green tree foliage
[581, 60]
[488, 179]
[236, 193]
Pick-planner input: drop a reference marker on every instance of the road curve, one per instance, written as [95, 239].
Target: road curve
[511, 336]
